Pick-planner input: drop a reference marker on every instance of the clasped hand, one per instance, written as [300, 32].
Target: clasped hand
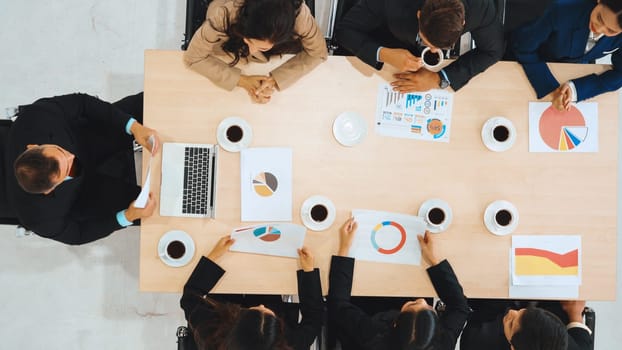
[260, 88]
[562, 97]
[421, 80]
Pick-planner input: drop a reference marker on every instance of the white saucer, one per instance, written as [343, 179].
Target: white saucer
[489, 140]
[305, 213]
[439, 203]
[350, 129]
[489, 219]
[221, 134]
[176, 235]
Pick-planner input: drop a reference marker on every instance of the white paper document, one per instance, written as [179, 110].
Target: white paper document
[266, 180]
[551, 130]
[546, 260]
[143, 196]
[278, 239]
[416, 115]
[540, 292]
[387, 237]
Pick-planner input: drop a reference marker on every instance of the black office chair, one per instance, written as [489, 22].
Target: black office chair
[7, 215]
[195, 16]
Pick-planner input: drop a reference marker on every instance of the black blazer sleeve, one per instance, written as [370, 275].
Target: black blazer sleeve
[311, 308]
[85, 108]
[487, 32]
[202, 280]
[579, 339]
[353, 31]
[450, 291]
[342, 314]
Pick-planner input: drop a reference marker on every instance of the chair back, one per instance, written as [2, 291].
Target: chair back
[7, 215]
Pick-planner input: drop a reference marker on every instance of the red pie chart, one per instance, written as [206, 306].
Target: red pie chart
[562, 130]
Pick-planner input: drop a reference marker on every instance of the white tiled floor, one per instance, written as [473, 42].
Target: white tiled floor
[54, 296]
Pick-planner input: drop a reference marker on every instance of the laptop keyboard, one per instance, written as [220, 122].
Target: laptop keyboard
[196, 180]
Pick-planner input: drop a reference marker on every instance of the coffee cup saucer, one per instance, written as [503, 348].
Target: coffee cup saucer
[305, 213]
[489, 218]
[489, 140]
[436, 203]
[221, 134]
[350, 129]
[176, 235]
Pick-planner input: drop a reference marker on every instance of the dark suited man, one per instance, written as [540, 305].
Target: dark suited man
[63, 152]
[571, 31]
[395, 32]
[522, 325]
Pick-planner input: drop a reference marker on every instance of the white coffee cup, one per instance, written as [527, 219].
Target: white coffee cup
[435, 216]
[431, 65]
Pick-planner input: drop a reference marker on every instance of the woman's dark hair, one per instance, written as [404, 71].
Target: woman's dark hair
[442, 22]
[237, 328]
[616, 7]
[415, 330]
[540, 330]
[270, 20]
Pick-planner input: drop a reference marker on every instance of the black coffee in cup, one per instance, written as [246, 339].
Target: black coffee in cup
[501, 133]
[234, 133]
[319, 213]
[503, 217]
[431, 58]
[436, 216]
[176, 249]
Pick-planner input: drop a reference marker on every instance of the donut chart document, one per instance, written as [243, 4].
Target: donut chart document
[575, 130]
[266, 184]
[387, 237]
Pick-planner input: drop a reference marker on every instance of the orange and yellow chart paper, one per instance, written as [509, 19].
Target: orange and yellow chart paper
[546, 260]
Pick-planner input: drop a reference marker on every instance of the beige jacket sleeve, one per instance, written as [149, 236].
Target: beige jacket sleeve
[205, 55]
[314, 51]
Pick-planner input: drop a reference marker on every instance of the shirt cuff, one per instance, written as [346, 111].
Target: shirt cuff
[579, 325]
[378, 54]
[574, 91]
[122, 220]
[128, 126]
[442, 71]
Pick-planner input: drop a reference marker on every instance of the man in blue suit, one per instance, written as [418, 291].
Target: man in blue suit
[571, 31]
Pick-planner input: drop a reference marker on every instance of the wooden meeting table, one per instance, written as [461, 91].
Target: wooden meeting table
[565, 194]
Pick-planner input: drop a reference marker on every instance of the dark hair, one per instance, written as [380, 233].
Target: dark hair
[616, 7]
[237, 328]
[271, 20]
[442, 22]
[34, 170]
[540, 329]
[415, 330]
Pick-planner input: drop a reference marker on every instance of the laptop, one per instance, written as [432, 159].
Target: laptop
[189, 173]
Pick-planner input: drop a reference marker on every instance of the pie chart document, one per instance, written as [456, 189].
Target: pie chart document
[277, 239]
[266, 184]
[575, 130]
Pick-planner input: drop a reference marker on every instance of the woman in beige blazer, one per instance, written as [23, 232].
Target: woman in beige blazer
[254, 30]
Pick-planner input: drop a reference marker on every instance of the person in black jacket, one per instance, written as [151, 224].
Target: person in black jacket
[395, 31]
[218, 323]
[519, 325]
[415, 326]
[63, 156]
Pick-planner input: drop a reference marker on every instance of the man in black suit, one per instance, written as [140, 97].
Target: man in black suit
[517, 325]
[64, 183]
[395, 31]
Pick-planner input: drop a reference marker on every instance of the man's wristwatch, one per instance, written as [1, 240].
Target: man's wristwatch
[444, 82]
